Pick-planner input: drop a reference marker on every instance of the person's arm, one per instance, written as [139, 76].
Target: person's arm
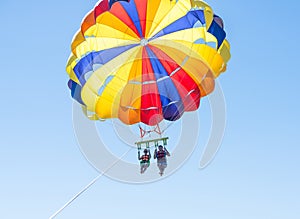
[139, 155]
[167, 152]
[155, 152]
[149, 154]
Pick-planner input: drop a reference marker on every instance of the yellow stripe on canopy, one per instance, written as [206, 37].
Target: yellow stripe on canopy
[179, 10]
[130, 102]
[69, 68]
[77, 40]
[152, 7]
[156, 11]
[109, 101]
[101, 43]
[224, 50]
[101, 30]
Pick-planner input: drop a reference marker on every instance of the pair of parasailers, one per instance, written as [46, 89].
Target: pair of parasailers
[161, 156]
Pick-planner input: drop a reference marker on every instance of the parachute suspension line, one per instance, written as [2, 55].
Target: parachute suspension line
[157, 129]
[144, 132]
[89, 185]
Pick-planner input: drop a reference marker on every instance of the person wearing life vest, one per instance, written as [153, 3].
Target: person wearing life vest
[144, 160]
[161, 156]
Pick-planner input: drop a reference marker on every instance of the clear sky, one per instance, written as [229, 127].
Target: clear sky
[254, 175]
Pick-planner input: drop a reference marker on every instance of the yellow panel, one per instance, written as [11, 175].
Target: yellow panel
[109, 102]
[101, 30]
[132, 90]
[152, 7]
[212, 57]
[224, 51]
[156, 16]
[101, 43]
[77, 40]
[179, 10]
[130, 103]
[69, 68]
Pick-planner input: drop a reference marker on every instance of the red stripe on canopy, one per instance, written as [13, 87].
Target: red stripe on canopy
[118, 10]
[141, 6]
[150, 96]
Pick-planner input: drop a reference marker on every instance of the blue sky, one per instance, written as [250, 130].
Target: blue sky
[254, 175]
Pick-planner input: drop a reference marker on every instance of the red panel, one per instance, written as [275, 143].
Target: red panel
[118, 10]
[141, 6]
[186, 86]
[102, 7]
[150, 96]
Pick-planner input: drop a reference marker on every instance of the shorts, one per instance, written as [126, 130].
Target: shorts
[145, 164]
[162, 163]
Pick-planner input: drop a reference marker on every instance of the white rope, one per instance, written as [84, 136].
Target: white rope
[87, 186]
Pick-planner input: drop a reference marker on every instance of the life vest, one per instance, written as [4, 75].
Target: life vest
[160, 154]
[145, 158]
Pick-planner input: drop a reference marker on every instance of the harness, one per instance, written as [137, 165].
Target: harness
[145, 158]
[160, 154]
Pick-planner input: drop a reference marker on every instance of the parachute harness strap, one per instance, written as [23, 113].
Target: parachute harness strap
[139, 146]
[165, 142]
[156, 144]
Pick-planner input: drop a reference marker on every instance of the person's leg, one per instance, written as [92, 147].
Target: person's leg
[163, 166]
[141, 168]
[161, 169]
[144, 167]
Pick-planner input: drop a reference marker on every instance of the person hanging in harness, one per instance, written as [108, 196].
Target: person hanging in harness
[161, 156]
[144, 160]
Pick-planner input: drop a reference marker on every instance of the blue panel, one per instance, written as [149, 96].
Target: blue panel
[166, 88]
[132, 12]
[86, 63]
[173, 111]
[157, 67]
[218, 32]
[185, 22]
[75, 91]
[111, 2]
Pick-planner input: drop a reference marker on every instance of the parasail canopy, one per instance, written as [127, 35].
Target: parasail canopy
[146, 60]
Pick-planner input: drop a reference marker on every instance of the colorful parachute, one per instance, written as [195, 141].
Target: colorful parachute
[146, 60]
